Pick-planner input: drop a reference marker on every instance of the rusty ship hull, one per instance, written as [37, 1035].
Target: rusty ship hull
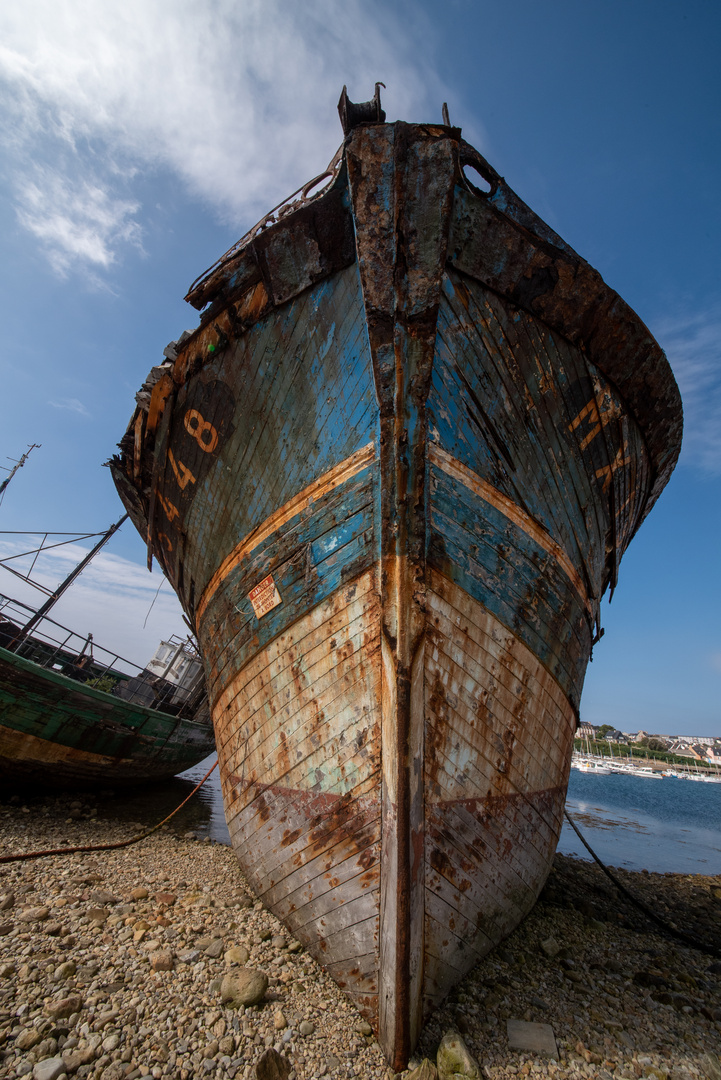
[390, 477]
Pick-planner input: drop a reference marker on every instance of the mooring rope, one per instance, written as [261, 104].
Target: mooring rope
[106, 847]
[647, 911]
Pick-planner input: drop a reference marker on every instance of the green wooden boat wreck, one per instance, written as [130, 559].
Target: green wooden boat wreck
[73, 714]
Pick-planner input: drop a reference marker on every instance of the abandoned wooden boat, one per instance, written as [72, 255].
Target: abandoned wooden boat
[72, 714]
[390, 476]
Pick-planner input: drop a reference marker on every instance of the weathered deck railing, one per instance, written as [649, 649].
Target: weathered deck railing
[57, 648]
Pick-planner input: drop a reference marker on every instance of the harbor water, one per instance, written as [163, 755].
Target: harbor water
[637, 823]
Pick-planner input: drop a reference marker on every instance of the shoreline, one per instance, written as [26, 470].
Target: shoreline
[137, 942]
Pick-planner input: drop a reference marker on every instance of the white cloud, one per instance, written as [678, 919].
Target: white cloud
[77, 220]
[693, 345]
[111, 598]
[237, 97]
[72, 404]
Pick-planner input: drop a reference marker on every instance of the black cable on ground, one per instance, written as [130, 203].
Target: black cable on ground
[647, 911]
[105, 847]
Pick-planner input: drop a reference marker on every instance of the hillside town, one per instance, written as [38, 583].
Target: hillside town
[702, 749]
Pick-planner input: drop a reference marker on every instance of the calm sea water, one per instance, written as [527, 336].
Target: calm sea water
[658, 825]
[661, 825]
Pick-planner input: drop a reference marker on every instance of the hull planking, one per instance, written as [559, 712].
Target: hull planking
[390, 477]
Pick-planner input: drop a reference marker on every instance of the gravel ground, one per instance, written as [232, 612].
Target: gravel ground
[113, 965]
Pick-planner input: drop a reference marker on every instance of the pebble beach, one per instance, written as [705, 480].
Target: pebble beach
[156, 960]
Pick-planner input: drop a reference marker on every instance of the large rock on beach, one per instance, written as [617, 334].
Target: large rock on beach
[246, 986]
[162, 960]
[238, 954]
[454, 1059]
[50, 1069]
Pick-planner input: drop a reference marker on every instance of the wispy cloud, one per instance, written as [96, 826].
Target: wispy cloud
[72, 404]
[236, 97]
[693, 344]
[78, 221]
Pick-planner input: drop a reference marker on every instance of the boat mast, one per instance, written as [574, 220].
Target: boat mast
[54, 597]
[18, 465]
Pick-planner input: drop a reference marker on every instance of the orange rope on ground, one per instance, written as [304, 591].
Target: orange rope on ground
[106, 847]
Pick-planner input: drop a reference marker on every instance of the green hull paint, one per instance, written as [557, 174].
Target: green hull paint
[59, 731]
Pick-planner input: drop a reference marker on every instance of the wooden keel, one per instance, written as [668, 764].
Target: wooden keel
[402, 208]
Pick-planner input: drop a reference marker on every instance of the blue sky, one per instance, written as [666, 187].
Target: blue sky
[140, 140]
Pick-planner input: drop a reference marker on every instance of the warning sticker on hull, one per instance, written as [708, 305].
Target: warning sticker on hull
[264, 597]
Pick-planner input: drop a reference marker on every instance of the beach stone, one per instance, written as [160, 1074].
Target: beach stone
[7, 900]
[46, 1049]
[34, 914]
[97, 915]
[536, 1038]
[710, 1066]
[238, 954]
[189, 956]
[279, 1021]
[454, 1059]
[215, 949]
[425, 1071]
[364, 1028]
[114, 1071]
[64, 971]
[50, 1069]
[550, 948]
[101, 898]
[272, 1066]
[246, 986]
[162, 960]
[167, 899]
[139, 893]
[74, 1058]
[306, 1027]
[5, 928]
[28, 1038]
[64, 1007]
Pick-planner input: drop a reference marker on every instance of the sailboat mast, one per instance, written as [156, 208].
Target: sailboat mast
[54, 597]
[18, 465]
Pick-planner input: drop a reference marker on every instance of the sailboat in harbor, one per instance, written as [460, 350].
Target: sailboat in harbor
[390, 476]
